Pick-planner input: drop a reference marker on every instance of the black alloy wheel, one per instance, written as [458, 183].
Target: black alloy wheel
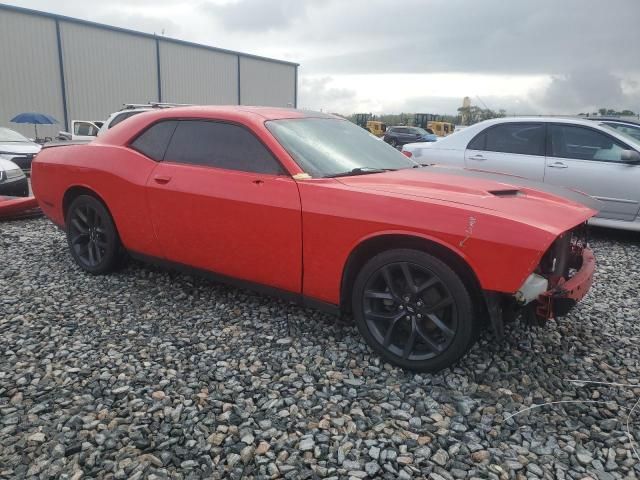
[91, 235]
[414, 310]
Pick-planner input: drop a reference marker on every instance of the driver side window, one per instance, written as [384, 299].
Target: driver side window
[582, 143]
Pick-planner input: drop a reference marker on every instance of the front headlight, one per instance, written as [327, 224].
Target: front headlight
[14, 174]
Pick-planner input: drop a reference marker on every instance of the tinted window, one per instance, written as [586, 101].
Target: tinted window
[568, 141]
[154, 140]
[478, 142]
[121, 117]
[520, 138]
[220, 145]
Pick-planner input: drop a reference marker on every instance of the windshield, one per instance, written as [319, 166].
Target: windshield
[7, 135]
[327, 147]
[419, 130]
[630, 132]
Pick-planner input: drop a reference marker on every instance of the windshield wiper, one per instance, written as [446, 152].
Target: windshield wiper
[360, 171]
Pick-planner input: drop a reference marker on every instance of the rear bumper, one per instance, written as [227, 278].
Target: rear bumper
[560, 300]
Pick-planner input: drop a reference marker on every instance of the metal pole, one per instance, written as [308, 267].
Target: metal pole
[62, 83]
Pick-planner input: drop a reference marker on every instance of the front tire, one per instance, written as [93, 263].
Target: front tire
[414, 310]
[92, 236]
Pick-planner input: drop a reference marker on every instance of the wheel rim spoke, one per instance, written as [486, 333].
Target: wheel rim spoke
[392, 327]
[428, 340]
[384, 317]
[408, 278]
[75, 240]
[411, 341]
[380, 295]
[428, 284]
[82, 217]
[78, 227]
[445, 302]
[386, 273]
[447, 332]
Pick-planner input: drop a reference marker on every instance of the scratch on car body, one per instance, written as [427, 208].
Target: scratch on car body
[468, 231]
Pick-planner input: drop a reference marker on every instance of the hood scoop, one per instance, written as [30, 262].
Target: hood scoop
[506, 193]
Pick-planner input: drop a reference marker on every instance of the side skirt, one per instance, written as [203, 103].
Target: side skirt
[297, 298]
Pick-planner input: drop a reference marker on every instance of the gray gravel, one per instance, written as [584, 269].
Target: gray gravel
[153, 374]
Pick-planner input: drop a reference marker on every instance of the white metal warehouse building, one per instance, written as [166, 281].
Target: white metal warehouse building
[78, 70]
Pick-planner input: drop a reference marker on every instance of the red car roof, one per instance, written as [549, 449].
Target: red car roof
[247, 115]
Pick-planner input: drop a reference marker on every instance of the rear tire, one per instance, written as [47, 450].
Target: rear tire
[414, 310]
[92, 236]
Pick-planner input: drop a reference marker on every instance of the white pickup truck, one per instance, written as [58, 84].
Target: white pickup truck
[90, 129]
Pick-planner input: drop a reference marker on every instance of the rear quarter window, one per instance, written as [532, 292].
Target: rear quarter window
[154, 140]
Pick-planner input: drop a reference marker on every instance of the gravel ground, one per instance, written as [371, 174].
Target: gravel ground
[154, 374]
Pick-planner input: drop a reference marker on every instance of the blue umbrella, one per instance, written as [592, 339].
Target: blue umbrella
[34, 118]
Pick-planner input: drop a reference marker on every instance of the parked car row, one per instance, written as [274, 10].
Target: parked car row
[600, 158]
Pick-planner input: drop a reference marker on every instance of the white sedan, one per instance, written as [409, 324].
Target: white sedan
[581, 154]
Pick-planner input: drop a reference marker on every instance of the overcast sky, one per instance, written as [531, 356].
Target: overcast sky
[382, 56]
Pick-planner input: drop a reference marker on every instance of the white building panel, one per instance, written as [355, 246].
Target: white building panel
[105, 68]
[267, 83]
[29, 71]
[197, 75]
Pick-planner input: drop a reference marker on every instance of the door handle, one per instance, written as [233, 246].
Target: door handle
[477, 157]
[258, 182]
[558, 165]
[162, 179]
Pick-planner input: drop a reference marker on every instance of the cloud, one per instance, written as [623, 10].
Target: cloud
[318, 94]
[559, 41]
[258, 15]
[584, 90]
[492, 36]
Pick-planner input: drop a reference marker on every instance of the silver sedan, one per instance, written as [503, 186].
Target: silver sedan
[584, 155]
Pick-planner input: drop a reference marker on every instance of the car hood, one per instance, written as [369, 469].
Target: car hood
[7, 165]
[19, 147]
[556, 209]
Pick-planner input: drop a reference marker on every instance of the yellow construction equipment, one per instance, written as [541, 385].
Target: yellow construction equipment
[442, 129]
[376, 127]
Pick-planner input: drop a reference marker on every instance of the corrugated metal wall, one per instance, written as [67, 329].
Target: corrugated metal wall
[198, 75]
[29, 71]
[104, 69]
[267, 83]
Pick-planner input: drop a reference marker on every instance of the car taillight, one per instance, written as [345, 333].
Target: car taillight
[407, 154]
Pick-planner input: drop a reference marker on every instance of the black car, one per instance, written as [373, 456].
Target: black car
[13, 181]
[398, 136]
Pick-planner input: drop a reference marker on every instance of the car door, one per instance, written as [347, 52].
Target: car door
[220, 201]
[589, 160]
[516, 148]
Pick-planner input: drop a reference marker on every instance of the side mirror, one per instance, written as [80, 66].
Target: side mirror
[630, 156]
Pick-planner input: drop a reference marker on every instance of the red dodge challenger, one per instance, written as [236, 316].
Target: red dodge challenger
[314, 208]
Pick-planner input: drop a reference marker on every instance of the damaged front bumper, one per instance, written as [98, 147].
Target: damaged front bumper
[561, 280]
[559, 300]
